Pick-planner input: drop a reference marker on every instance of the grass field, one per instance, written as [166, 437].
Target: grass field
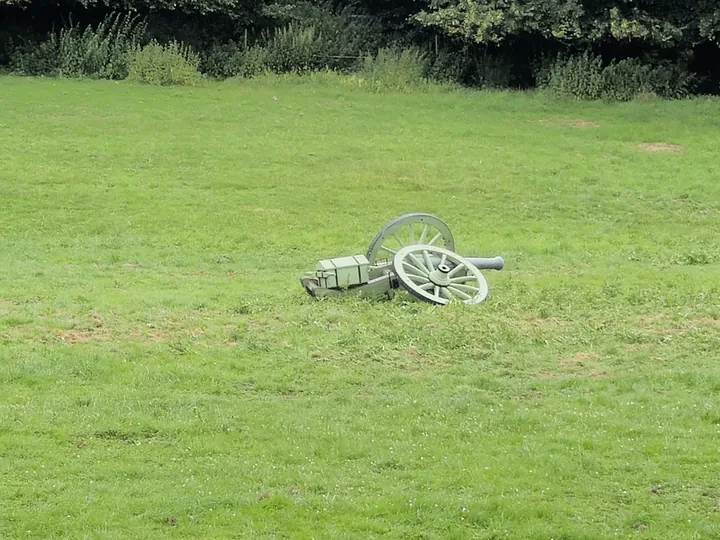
[164, 375]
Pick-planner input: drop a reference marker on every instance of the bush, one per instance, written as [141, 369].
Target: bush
[584, 77]
[395, 71]
[626, 79]
[293, 49]
[312, 36]
[251, 62]
[347, 32]
[100, 53]
[580, 77]
[169, 64]
[290, 49]
[672, 81]
[449, 67]
[218, 61]
[37, 59]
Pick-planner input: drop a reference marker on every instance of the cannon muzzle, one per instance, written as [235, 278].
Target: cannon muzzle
[487, 263]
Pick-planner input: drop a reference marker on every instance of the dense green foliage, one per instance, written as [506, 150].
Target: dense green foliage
[661, 23]
[657, 46]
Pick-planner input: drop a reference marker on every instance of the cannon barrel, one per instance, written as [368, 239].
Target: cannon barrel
[481, 263]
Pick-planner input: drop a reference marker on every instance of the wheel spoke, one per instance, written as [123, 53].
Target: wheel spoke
[436, 291]
[443, 259]
[445, 294]
[418, 270]
[425, 230]
[459, 293]
[435, 238]
[418, 263]
[468, 288]
[388, 249]
[412, 234]
[427, 286]
[428, 262]
[462, 279]
[456, 270]
[418, 279]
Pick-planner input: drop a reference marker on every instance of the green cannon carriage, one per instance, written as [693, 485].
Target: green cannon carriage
[414, 251]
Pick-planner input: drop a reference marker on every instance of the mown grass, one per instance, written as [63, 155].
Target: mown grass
[164, 374]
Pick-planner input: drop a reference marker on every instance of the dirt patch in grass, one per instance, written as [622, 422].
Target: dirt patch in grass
[83, 335]
[541, 324]
[586, 356]
[149, 336]
[708, 321]
[659, 324]
[661, 147]
[581, 364]
[417, 358]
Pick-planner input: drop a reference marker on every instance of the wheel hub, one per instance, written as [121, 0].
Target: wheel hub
[439, 276]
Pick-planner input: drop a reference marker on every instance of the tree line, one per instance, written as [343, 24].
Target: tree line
[498, 43]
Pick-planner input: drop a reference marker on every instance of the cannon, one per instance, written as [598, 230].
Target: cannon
[415, 251]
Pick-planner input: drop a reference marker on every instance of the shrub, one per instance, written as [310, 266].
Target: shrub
[36, 59]
[290, 49]
[449, 66]
[218, 61]
[393, 70]
[101, 53]
[580, 77]
[293, 49]
[626, 79]
[250, 62]
[169, 64]
[672, 81]
[312, 36]
[347, 32]
[584, 77]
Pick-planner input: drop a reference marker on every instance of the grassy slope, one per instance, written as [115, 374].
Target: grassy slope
[164, 375]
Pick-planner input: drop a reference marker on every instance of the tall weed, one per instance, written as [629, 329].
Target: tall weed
[100, 53]
[348, 32]
[164, 65]
[626, 79]
[579, 76]
[293, 49]
[289, 49]
[310, 36]
[395, 70]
